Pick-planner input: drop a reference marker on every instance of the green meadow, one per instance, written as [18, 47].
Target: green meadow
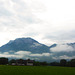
[36, 70]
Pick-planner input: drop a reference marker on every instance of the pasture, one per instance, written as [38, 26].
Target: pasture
[36, 70]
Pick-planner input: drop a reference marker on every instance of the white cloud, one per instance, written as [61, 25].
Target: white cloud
[23, 52]
[41, 55]
[19, 54]
[62, 48]
[36, 45]
[43, 20]
[63, 57]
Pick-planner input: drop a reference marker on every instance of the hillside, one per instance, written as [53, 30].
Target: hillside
[25, 44]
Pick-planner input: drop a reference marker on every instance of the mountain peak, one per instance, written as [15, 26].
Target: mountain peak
[25, 44]
[23, 40]
[53, 45]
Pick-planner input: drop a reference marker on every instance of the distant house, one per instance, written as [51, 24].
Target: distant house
[13, 63]
[24, 62]
[29, 62]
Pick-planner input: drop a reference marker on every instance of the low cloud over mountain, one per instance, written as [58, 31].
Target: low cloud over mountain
[30, 48]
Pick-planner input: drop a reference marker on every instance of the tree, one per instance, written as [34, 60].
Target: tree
[63, 62]
[12, 61]
[72, 63]
[44, 63]
[3, 61]
[68, 64]
[54, 64]
[36, 63]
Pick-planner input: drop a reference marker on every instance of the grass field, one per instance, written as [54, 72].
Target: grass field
[36, 70]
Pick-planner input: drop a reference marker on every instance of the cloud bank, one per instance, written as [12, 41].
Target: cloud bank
[45, 21]
[24, 55]
[61, 51]
[62, 48]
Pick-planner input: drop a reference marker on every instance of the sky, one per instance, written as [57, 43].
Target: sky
[47, 21]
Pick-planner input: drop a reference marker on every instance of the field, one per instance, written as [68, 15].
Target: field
[36, 70]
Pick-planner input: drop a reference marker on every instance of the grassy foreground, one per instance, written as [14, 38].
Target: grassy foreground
[36, 70]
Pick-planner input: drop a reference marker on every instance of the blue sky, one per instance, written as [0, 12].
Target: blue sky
[47, 21]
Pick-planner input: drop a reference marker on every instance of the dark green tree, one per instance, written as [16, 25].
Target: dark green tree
[3, 61]
[37, 63]
[12, 61]
[63, 62]
[44, 63]
[55, 64]
[72, 63]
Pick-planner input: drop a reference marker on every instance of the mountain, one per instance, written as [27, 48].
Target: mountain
[24, 44]
[53, 45]
[30, 48]
[67, 50]
[71, 44]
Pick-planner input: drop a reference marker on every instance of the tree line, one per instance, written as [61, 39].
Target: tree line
[63, 62]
